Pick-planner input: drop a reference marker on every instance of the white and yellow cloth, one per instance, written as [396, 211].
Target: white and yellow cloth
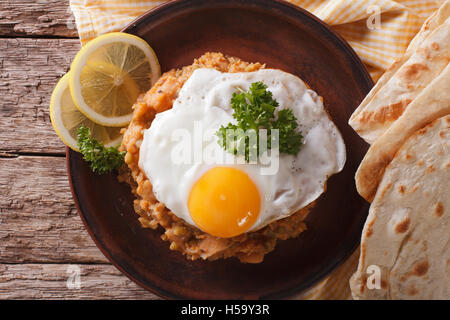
[378, 30]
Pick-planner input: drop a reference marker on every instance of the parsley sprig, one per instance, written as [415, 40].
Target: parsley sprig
[255, 110]
[101, 159]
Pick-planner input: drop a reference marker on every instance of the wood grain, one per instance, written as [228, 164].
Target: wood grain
[50, 281]
[38, 219]
[41, 234]
[29, 70]
[22, 18]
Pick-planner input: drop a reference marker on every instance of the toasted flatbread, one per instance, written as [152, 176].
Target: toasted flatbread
[431, 24]
[430, 104]
[426, 57]
[407, 233]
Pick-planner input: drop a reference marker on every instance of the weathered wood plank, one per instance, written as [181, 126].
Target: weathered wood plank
[38, 219]
[29, 70]
[36, 18]
[58, 281]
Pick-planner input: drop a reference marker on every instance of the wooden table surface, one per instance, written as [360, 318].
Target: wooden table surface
[41, 235]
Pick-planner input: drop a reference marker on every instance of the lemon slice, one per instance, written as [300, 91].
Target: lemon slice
[66, 119]
[108, 75]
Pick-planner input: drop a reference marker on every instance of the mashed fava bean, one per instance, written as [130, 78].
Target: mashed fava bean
[192, 242]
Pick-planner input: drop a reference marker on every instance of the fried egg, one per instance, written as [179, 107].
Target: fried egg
[218, 192]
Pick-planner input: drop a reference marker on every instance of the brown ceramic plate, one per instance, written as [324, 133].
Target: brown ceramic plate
[282, 36]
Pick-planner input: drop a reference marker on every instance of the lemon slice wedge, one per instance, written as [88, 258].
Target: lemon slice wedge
[109, 73]
[66, 119]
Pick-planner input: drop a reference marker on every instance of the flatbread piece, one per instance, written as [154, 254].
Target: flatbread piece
[425, 59]
[407, 232]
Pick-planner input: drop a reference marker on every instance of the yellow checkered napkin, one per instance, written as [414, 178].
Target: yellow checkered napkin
[378, 30]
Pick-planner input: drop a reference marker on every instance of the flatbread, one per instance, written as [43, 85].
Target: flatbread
[430, 104]
[425, 59]
[407, 232]
[431, 24]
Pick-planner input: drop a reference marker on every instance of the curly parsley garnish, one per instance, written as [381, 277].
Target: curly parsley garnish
[101, 159]
[255, 110]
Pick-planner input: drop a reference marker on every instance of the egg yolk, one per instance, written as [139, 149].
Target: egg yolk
[224, 202]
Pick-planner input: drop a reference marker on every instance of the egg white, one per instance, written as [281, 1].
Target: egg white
[204, 102]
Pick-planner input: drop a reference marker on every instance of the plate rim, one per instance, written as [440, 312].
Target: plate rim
[338, 39]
